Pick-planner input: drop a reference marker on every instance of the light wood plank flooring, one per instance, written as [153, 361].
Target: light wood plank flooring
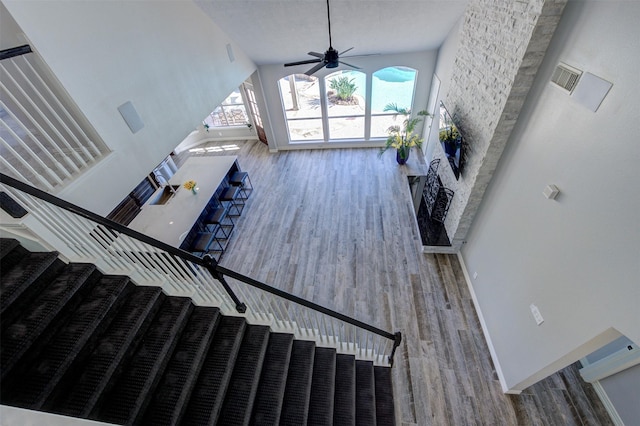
[336, 227]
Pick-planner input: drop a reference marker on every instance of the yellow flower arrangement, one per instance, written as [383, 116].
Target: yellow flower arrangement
[402, 138]
[190, 184]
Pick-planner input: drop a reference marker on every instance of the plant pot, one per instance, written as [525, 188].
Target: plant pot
[450, 148]
[402, 155]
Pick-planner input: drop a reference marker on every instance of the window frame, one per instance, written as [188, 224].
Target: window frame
[223, 106]
[324, 116]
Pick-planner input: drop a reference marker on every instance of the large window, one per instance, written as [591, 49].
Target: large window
[346, 99]
[392, 85]
[231, 112]
[301, 102]
[335, 107]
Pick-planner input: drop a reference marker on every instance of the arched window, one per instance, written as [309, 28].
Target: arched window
[300, 95]
[394, 85]
[335, 108]
[346, 97]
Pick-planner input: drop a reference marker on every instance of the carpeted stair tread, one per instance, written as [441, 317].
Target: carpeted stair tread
[365, 394]
[238, 403]
[8, 245]
[11, 252]
[78, 343]
[81, 390]
[295, 407]
[130, 396]
[24, 279]
[273, 379]
[385, 412]
[47, 307]
[344, 410]
[208, 395]
[173, 392]
[38, 380]
[323, 383]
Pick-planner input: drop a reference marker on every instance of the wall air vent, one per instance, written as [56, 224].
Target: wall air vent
[566, 77]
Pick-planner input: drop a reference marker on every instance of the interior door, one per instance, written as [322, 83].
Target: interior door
[250, 97]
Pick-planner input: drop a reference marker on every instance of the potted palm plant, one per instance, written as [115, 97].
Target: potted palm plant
[402, 137]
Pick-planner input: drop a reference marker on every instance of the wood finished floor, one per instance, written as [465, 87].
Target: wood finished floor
[336, 227]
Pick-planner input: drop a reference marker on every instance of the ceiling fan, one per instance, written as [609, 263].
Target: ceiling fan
[329, 59]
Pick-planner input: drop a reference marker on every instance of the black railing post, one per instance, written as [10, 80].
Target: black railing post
[396, 343]
[211, 266]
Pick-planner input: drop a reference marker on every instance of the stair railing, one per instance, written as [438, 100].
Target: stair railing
[83, 236]
[45, 141]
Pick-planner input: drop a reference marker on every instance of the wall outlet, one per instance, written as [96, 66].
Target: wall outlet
[475, 275]
[536, 314]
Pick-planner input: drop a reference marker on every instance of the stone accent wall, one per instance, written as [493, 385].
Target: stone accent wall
[501, 47]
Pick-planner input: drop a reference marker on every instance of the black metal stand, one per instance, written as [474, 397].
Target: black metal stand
[434, 206]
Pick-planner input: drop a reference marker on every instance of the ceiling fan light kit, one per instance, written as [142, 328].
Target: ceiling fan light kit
[330, 58]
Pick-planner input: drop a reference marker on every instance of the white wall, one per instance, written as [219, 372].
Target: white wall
[622, 391]
[443, 70]
[424, 62]
[166, 57]
[578, 257]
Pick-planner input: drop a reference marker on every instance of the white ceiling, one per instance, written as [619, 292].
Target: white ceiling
[279, 31]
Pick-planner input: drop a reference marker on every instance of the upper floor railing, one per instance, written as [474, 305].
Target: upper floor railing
[82, 236]
[44, 138]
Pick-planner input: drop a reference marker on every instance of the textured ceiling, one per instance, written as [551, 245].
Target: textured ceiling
[279, 31]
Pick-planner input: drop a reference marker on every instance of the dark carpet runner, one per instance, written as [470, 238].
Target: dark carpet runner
[80, 343]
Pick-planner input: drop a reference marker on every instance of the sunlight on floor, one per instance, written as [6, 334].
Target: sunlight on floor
[230, 147]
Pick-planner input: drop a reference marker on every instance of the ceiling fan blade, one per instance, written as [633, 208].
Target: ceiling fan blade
[317, 55]
[342, 53]
[358, 56]
[316, 68]
[349, 65]
[310, 61]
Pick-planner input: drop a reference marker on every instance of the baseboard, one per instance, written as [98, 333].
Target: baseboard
[485, 331]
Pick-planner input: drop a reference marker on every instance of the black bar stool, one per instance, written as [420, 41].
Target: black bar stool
[202, 242]
[231, 196]
[215, 220]
[240, 180]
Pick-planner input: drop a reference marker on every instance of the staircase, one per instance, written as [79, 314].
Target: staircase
[83, 344]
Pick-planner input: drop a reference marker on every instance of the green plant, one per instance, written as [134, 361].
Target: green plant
[402, 137]
[344, 87]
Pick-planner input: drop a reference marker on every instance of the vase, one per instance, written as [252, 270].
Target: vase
[194, 190]
[402, 155]
[450, 148]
